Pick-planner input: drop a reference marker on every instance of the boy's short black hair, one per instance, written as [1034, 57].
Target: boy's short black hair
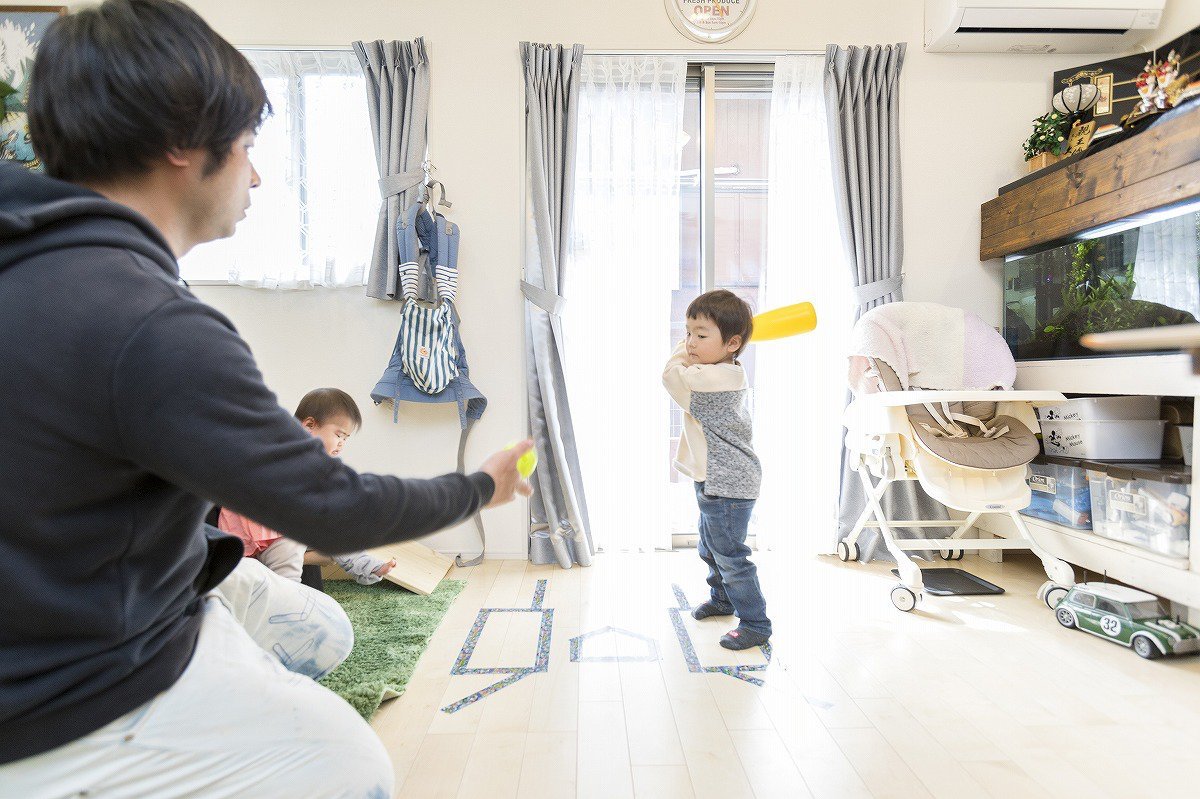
[117, 85]
[729, 312]
[322, 404]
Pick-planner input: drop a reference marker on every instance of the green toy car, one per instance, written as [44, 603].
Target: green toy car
[1130, 617]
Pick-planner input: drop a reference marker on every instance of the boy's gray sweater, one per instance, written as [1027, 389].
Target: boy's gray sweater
[716, 447]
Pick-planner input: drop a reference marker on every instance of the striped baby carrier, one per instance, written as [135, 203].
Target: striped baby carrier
[426, 345]
[429, 363]
[426, 342]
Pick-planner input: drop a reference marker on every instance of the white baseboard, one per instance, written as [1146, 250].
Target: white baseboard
[489, 556]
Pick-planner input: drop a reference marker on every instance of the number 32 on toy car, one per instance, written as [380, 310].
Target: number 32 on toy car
[1111, 625]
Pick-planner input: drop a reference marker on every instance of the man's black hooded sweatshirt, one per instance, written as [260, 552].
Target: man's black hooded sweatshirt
[128, 406]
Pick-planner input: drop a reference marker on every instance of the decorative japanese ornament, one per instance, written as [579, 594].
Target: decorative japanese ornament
[1076, 99]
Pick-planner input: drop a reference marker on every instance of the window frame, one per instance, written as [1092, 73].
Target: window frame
[1085, 599]
[704, 71]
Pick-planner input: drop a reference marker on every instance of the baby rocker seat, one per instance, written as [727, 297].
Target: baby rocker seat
[968, 449]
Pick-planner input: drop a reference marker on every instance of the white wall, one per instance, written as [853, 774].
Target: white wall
[964, 118]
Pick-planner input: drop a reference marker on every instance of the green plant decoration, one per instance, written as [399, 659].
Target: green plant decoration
[1078, 289]
[1049, 135]
[1096, 303]
[5, 92]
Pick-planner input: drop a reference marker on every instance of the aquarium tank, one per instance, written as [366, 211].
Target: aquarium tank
[1137, 277]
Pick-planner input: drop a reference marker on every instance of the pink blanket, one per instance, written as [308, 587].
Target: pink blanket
[931, 346]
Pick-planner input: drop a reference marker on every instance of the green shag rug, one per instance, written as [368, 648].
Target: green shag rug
[392, 627]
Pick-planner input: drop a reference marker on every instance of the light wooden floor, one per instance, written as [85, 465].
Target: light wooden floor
[968, 697]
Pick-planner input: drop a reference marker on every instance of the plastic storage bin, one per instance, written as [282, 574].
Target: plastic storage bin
[1129, 440]
[1060, 493]
[1102, 409]
[1144, 504]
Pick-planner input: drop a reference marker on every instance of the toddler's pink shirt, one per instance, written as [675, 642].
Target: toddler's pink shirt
[255, 537]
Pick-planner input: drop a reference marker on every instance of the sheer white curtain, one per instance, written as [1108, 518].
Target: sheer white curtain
[801, 381]
[624, 253]
[312, 221]
[1166, 264]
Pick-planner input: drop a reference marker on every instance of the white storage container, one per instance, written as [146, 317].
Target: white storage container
[1185, 442]
[1144, 504]
[1131, 440]
[1102, 409]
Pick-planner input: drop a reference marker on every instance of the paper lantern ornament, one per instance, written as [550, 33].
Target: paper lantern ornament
[1076, 99]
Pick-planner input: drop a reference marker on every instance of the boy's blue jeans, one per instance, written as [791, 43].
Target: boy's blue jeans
[732, 578]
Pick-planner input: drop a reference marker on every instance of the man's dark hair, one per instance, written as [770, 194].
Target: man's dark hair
[117, 85]
[322, 404]
[728, 312]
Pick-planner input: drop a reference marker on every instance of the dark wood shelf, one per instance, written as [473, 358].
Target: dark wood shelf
[1154, 169]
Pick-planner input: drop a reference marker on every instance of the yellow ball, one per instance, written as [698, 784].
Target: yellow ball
[526, 463]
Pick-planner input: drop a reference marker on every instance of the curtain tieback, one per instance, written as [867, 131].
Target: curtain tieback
[869, 292]
[548, 301]
[401, 182]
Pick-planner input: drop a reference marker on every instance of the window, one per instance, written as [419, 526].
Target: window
[1108, 606]
[624, 256]
[671, 200]
[312, 221]
[723, 215]
[1087, 600]
[1150, 609]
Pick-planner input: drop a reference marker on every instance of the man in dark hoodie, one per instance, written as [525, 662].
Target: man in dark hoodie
[132, 662]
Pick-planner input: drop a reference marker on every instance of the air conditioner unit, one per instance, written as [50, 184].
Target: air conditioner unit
[1038, 26]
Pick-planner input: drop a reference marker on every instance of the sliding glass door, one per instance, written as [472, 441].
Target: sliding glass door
[723, 217]
[672, 200]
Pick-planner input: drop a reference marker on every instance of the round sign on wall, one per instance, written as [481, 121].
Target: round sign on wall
[710, 21]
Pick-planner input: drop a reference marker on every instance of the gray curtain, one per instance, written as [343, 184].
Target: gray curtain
[559, 530]
[397, 78]
[862, 98]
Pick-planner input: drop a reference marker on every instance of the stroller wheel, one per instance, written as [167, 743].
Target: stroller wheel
[847, 552]
[903, 598]
[951, 554]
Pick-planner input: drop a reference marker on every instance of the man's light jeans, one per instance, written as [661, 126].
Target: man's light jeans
[245, 718]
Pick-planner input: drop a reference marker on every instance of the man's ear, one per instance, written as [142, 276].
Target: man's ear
[180, 158]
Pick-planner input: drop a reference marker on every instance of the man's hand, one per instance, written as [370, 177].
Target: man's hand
[502, 468]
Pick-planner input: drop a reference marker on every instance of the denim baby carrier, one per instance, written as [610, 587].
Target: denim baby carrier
[428, 363]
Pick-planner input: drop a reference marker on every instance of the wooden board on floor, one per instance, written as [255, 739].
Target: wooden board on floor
[418, 568]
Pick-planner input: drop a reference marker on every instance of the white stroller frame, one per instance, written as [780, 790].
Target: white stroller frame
[881, 441]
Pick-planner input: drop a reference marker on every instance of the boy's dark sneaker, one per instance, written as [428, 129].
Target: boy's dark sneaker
[741, 638]
[711, 609]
